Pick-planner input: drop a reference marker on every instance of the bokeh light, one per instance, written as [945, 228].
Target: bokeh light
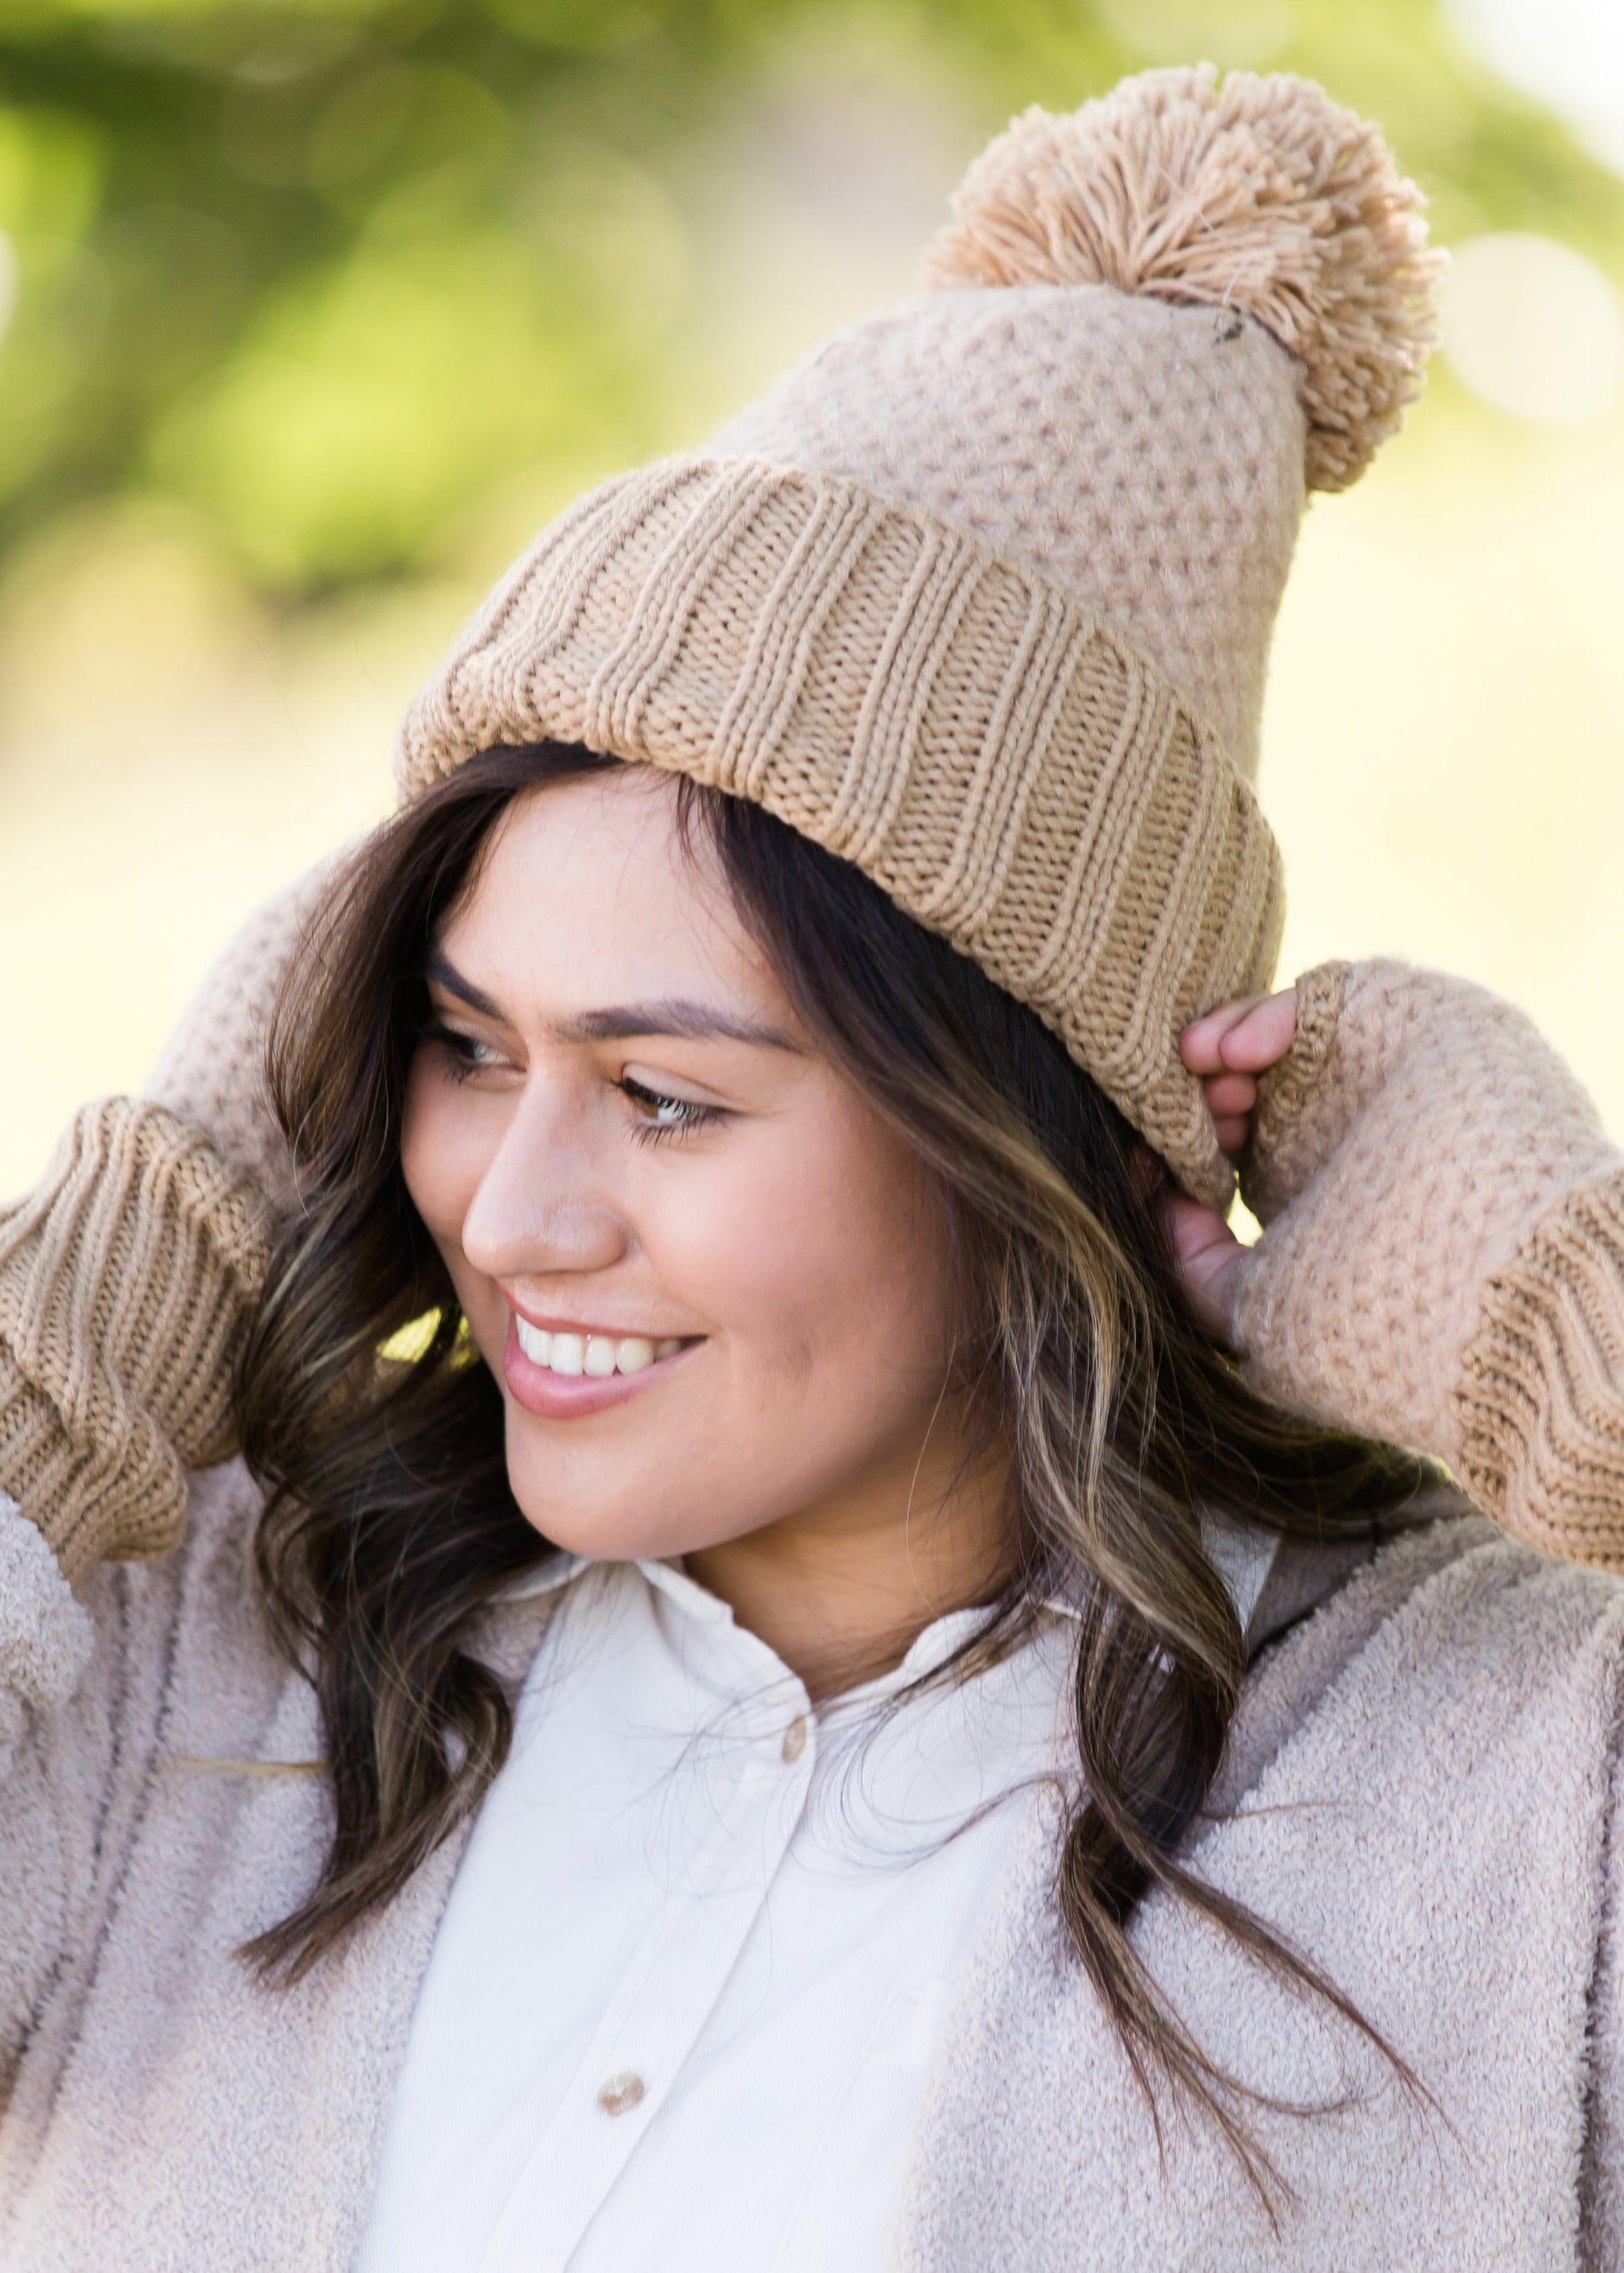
[1533, 325]
[1567, 53]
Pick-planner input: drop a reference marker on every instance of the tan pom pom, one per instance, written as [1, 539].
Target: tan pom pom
[1259, 195]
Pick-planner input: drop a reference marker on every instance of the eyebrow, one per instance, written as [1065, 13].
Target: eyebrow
[620, 1021]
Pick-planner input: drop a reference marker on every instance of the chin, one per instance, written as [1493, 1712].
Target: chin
[608, 1534]
[615, 1519]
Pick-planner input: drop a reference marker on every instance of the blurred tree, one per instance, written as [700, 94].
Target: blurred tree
[325, 269]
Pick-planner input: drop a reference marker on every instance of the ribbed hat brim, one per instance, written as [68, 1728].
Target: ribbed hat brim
[999, 763]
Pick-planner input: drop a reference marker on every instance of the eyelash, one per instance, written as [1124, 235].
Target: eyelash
[463, 1051]
[690, 1115]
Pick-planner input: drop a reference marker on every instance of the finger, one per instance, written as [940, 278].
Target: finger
[1200, 1044]
[1196, 1230]
[1229, 1092]
[1262, 1035]
[1234, 1130]
[1206, 1253]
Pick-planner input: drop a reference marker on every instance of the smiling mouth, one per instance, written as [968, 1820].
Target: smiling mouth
[596, 1355]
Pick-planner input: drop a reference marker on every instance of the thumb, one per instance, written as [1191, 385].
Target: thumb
[1206, 1257]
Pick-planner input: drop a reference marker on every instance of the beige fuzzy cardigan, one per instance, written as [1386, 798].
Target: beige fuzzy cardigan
[1420, 1788]
[1421, 1793]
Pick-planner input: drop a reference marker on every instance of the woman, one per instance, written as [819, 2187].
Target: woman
[765, 1690]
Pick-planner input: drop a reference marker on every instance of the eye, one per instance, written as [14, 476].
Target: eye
[465, 1053]
[660, 1115]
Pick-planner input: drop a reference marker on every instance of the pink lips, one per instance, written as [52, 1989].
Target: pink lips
[571, 1397]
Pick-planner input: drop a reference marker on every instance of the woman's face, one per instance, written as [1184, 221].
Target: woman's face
[711, 1281]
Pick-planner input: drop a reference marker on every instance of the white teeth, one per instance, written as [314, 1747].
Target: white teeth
[597, 1355]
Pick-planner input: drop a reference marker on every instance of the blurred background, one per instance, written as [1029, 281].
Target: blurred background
[311, 310]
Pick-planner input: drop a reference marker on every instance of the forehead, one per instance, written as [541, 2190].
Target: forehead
[590, 890]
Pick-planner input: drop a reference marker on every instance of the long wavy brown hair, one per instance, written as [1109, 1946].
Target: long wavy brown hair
[389, 1525]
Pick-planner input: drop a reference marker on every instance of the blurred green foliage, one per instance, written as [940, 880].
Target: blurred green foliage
[328, 269]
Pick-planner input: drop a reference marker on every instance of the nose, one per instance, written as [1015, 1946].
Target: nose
[542, 1207]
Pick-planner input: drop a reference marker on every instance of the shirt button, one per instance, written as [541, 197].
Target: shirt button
[795, 1740]
[620, 2094]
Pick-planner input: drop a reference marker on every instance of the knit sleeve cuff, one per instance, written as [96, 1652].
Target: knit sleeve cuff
[1540, 1402]
[1284, 1149]
[127, 1279]
[122, 1481]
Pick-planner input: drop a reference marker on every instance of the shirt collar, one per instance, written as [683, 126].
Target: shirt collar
[1242, 1553]
[673, 1580]
[546, 1578]
[929, 1650]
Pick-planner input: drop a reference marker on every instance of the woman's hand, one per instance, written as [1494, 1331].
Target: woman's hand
[1228, 1048]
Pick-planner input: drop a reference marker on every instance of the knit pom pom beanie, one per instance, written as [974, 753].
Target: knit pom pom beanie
[979, 595]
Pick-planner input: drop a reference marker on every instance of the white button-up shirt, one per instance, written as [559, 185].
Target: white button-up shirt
[681, 1999]
[680, 2003]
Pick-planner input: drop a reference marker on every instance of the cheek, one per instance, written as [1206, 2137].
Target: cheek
[434, 1146]
[446, 1148]
[826, 1254]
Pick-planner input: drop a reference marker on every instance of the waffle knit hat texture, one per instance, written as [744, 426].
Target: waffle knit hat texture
[979, 595]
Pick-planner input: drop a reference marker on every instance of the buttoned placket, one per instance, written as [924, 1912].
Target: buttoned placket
[669, 1987]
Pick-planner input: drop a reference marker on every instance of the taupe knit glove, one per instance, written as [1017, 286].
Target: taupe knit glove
[125, 1283]
[1442, 1264]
